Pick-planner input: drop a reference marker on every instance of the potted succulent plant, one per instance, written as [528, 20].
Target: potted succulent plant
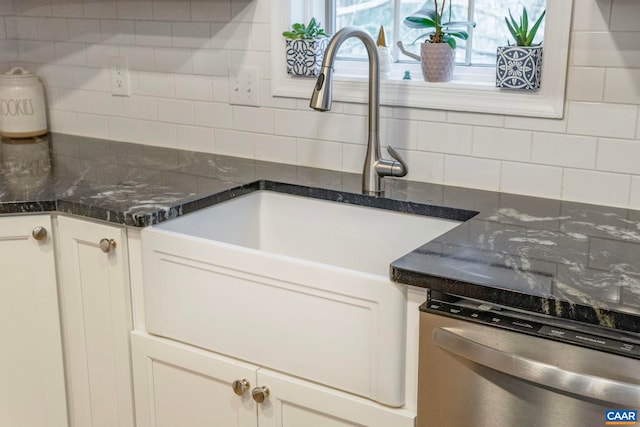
[519, 66]
[305, 45]
[438, 50]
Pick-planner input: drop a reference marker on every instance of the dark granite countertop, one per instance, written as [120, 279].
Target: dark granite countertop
[564, 259]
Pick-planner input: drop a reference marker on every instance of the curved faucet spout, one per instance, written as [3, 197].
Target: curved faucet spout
[375, 167]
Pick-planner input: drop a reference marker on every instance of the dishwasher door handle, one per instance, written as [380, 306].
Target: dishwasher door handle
[586, 385]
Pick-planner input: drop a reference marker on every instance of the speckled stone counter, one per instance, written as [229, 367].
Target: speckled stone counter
[564, 259]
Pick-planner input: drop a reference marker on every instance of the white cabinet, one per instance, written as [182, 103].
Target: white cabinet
[96, 319]
[176, 384]
[32, 389]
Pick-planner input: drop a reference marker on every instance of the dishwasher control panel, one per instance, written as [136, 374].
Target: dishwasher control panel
[486, 314]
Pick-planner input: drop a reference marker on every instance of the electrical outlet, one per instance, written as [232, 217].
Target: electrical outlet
[119, 76]
[244, 87]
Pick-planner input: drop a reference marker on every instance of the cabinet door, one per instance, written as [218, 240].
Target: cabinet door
[296, 403]
[96, 321]
[178, 385]
[32, 389]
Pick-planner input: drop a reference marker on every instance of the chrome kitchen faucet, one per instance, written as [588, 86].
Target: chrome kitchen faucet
[375, 167]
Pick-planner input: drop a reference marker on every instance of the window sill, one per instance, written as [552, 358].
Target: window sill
[466, 92]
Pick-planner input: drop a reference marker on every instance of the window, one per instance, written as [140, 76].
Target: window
[472, 89]
[489, 32]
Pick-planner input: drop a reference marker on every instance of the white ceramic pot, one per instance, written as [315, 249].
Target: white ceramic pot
[22, 108]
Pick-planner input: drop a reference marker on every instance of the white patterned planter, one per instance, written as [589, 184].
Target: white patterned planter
[519, 67]
[304, 57]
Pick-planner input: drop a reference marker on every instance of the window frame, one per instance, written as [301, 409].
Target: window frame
[469, 91]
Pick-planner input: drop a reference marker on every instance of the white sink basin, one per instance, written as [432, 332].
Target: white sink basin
[295, 284]
[339, 234]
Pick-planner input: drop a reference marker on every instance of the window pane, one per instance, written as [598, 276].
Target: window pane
[491, 30]
[367, 14]
[489, 33]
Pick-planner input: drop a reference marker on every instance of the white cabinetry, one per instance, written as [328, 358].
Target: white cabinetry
[177, 384]
[32, 390]
[96, 318]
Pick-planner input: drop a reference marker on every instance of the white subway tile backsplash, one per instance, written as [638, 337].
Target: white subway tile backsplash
[95, 79]
[426, 167]
[252, 119]
[124, 129]
[159, 134]
[463, 171]
[535, 124]
[176, 111]
[342, 128]
[564, 150]
[211, 62]
[319, 154]
[532, 180]
[444, 138]
[40, 52]
[121, 31]
[419, 114]
[353, 157]
[64, 122]
[139, 58]
[591, 15]
[173, 60]
[606, 49]
[585, 84]
[156, 84]
[195, 138]
[106, 104]
[634, 198]
[99, 9]
[478, 119]
[59, 76]
[53, 29]
[26, 28]
[618, 155]
[33, 8]
[625, 15]
[236, 37]
[234, 143]
[199, 88]
[596, 187]
[211, 11]
[70, 53]
[84, 30]
[135, 9]
[401, 134]
[140, 107]
[191, 34]
[272, 148]
[151, 33]
[169, 10]
[608, 120]
[214, 114]
[303, 124]
[622, 85]
[506, 144]
[91, 125]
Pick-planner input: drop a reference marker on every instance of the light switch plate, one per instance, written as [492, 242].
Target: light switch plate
[244, 86]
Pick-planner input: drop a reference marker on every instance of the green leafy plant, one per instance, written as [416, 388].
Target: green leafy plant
[441, 30]
[520, 29]
[299, 31]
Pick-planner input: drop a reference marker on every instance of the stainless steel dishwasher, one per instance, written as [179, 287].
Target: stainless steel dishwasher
[487, 366]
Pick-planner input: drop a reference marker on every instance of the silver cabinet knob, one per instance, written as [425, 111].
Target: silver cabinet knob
[259, 394]
[107, 244]
[240, 387]
[39, 233]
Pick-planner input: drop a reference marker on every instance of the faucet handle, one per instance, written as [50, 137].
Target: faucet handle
[399, 167]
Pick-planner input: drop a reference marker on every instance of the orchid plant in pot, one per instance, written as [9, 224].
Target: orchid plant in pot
[304, 49]
[438, 50]
[519, 65]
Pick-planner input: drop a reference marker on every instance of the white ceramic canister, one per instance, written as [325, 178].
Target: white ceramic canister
[22, 109]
